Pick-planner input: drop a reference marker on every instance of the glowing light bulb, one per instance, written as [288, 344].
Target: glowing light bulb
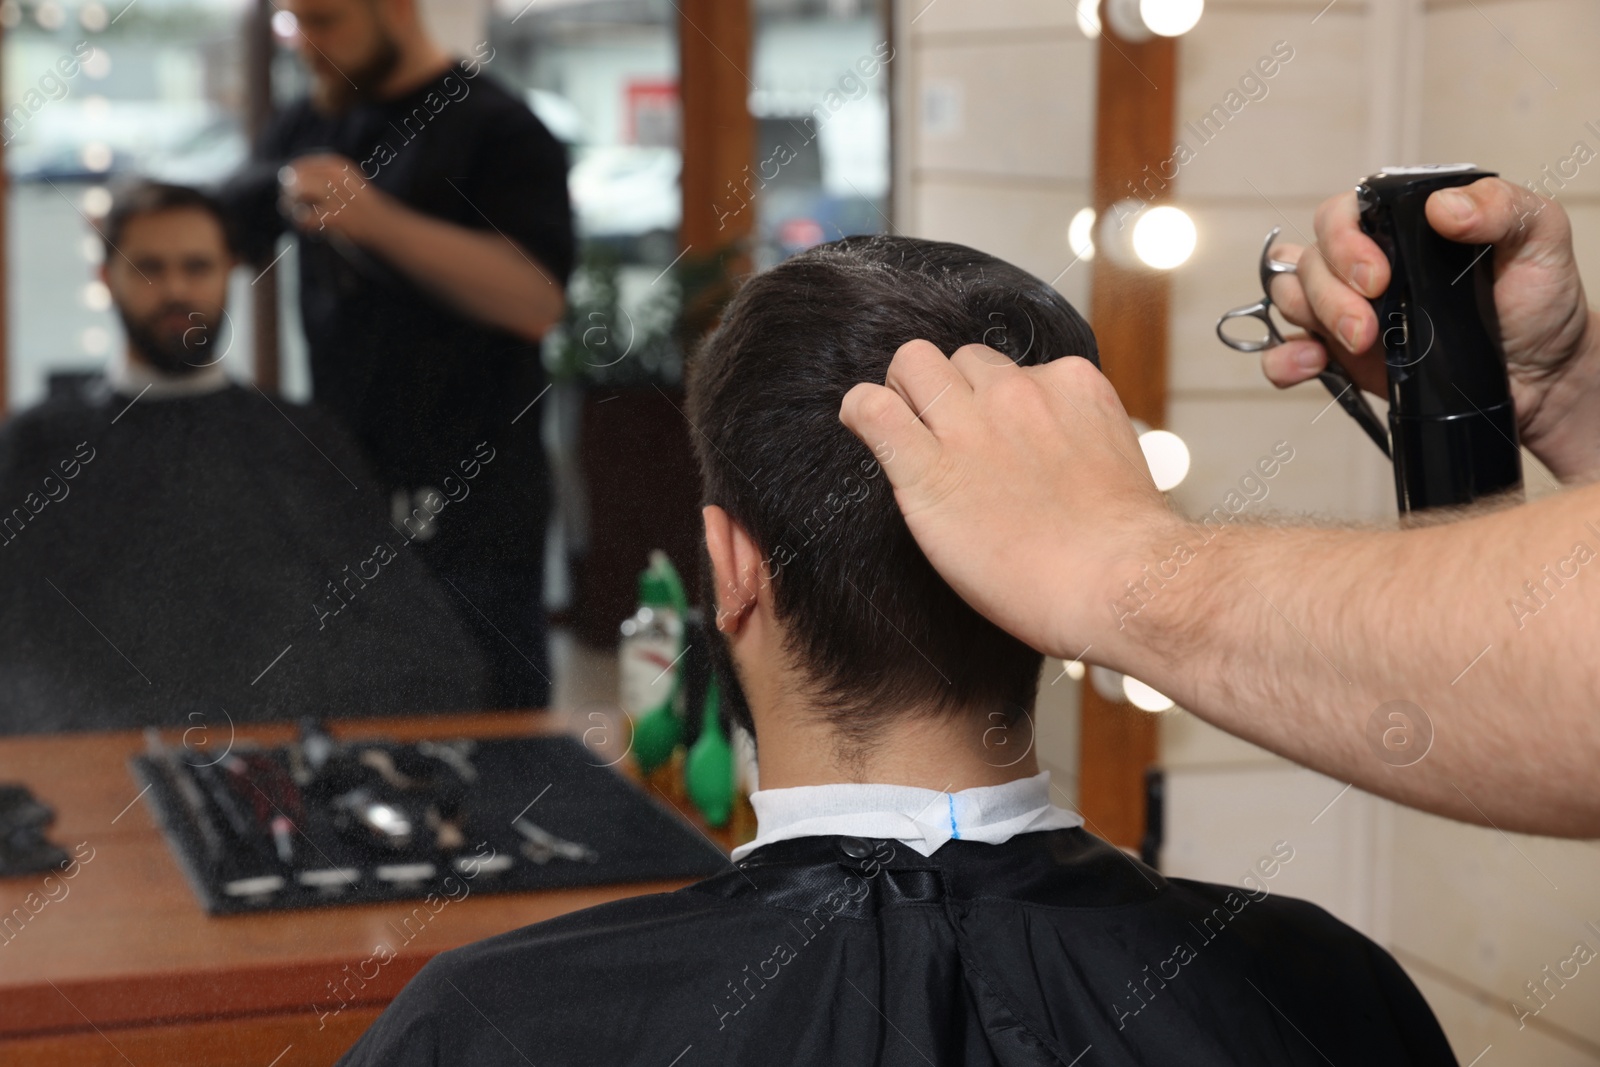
[1080, 233]
[96, 201]
[1074, 669]
[1108, 683]
[1143, 697]
[96, 156]
[1089, 18]
[1171, 18]
[1164, 237]
[1167, 456]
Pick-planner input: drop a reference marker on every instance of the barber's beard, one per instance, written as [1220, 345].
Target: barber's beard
[177, 350]
[333, 92]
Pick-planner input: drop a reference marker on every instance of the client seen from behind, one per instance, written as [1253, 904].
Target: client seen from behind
[177, 549]
[913, 896]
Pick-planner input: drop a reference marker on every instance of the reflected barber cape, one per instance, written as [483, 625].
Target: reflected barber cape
[175, 575]
[1042, 950]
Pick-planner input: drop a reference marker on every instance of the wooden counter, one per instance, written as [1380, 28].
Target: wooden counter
[122, 965]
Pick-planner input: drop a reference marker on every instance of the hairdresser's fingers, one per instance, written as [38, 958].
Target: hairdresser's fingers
[1495, 211]
[1288, 295]
[1077, 391]
[1299, 359]
[1035, 506]
[1349, 254]
[940, 394]
[1295, 361]
[1341, 314]
[899, 440]
[1543, 314]
[981, 365]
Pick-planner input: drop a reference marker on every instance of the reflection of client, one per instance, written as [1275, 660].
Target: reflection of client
[167, 536]
[913, 896]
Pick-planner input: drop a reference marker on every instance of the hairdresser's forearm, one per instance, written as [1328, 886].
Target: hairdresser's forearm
[481, 272]
[1292, 639]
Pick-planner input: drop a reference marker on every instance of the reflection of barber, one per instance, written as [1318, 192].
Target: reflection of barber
[1024, 488]
[435, 242]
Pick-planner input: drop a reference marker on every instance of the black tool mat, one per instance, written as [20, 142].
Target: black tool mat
[551, 781]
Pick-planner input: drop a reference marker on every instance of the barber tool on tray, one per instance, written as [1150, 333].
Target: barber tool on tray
[1452, 431]
[324, 820]
[23, 846]
[390, 797]
[241, 842]
[542, 846]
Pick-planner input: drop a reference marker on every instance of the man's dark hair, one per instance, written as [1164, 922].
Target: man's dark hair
[869, 622]
[141, 196]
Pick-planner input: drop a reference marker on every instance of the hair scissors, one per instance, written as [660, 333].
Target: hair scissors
[1333, 376]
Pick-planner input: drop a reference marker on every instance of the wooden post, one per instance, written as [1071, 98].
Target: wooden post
[5, 290]
[259, 50]
[1134, 121]
[719, 134]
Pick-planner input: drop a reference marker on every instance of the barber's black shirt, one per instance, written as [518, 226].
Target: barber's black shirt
[418, 382]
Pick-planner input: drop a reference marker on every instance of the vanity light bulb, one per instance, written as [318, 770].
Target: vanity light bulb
[1164, 237]
[1108, 683]
[1167, 456]
[96, 201]
[1089, 18]
[1143, 697]
[1171, 18]
[1080, 233]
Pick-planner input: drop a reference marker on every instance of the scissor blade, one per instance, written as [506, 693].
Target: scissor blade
[1355, 405]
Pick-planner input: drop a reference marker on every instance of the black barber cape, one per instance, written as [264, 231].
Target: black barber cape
[1051, 949]
[207, 559]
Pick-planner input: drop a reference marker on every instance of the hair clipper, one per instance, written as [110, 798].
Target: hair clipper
[1452, 428]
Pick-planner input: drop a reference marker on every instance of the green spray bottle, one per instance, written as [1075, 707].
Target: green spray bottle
[708, 772]
[663, 607]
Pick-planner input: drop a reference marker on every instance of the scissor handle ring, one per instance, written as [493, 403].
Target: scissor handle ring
[1261, 313]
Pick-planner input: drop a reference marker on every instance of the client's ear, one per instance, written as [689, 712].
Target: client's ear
[735, 567]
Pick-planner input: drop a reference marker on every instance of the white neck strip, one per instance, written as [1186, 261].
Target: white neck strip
[923, 819]
[133, 378]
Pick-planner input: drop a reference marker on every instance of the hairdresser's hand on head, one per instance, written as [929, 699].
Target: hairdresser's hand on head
[1025, 486]
[1551, 348]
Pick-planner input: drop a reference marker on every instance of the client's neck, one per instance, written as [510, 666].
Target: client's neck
[948, 753]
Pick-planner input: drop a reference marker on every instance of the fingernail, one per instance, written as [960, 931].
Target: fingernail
[1361, 275]
[1457, 203]
[1307, 357]
[1350, 332]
